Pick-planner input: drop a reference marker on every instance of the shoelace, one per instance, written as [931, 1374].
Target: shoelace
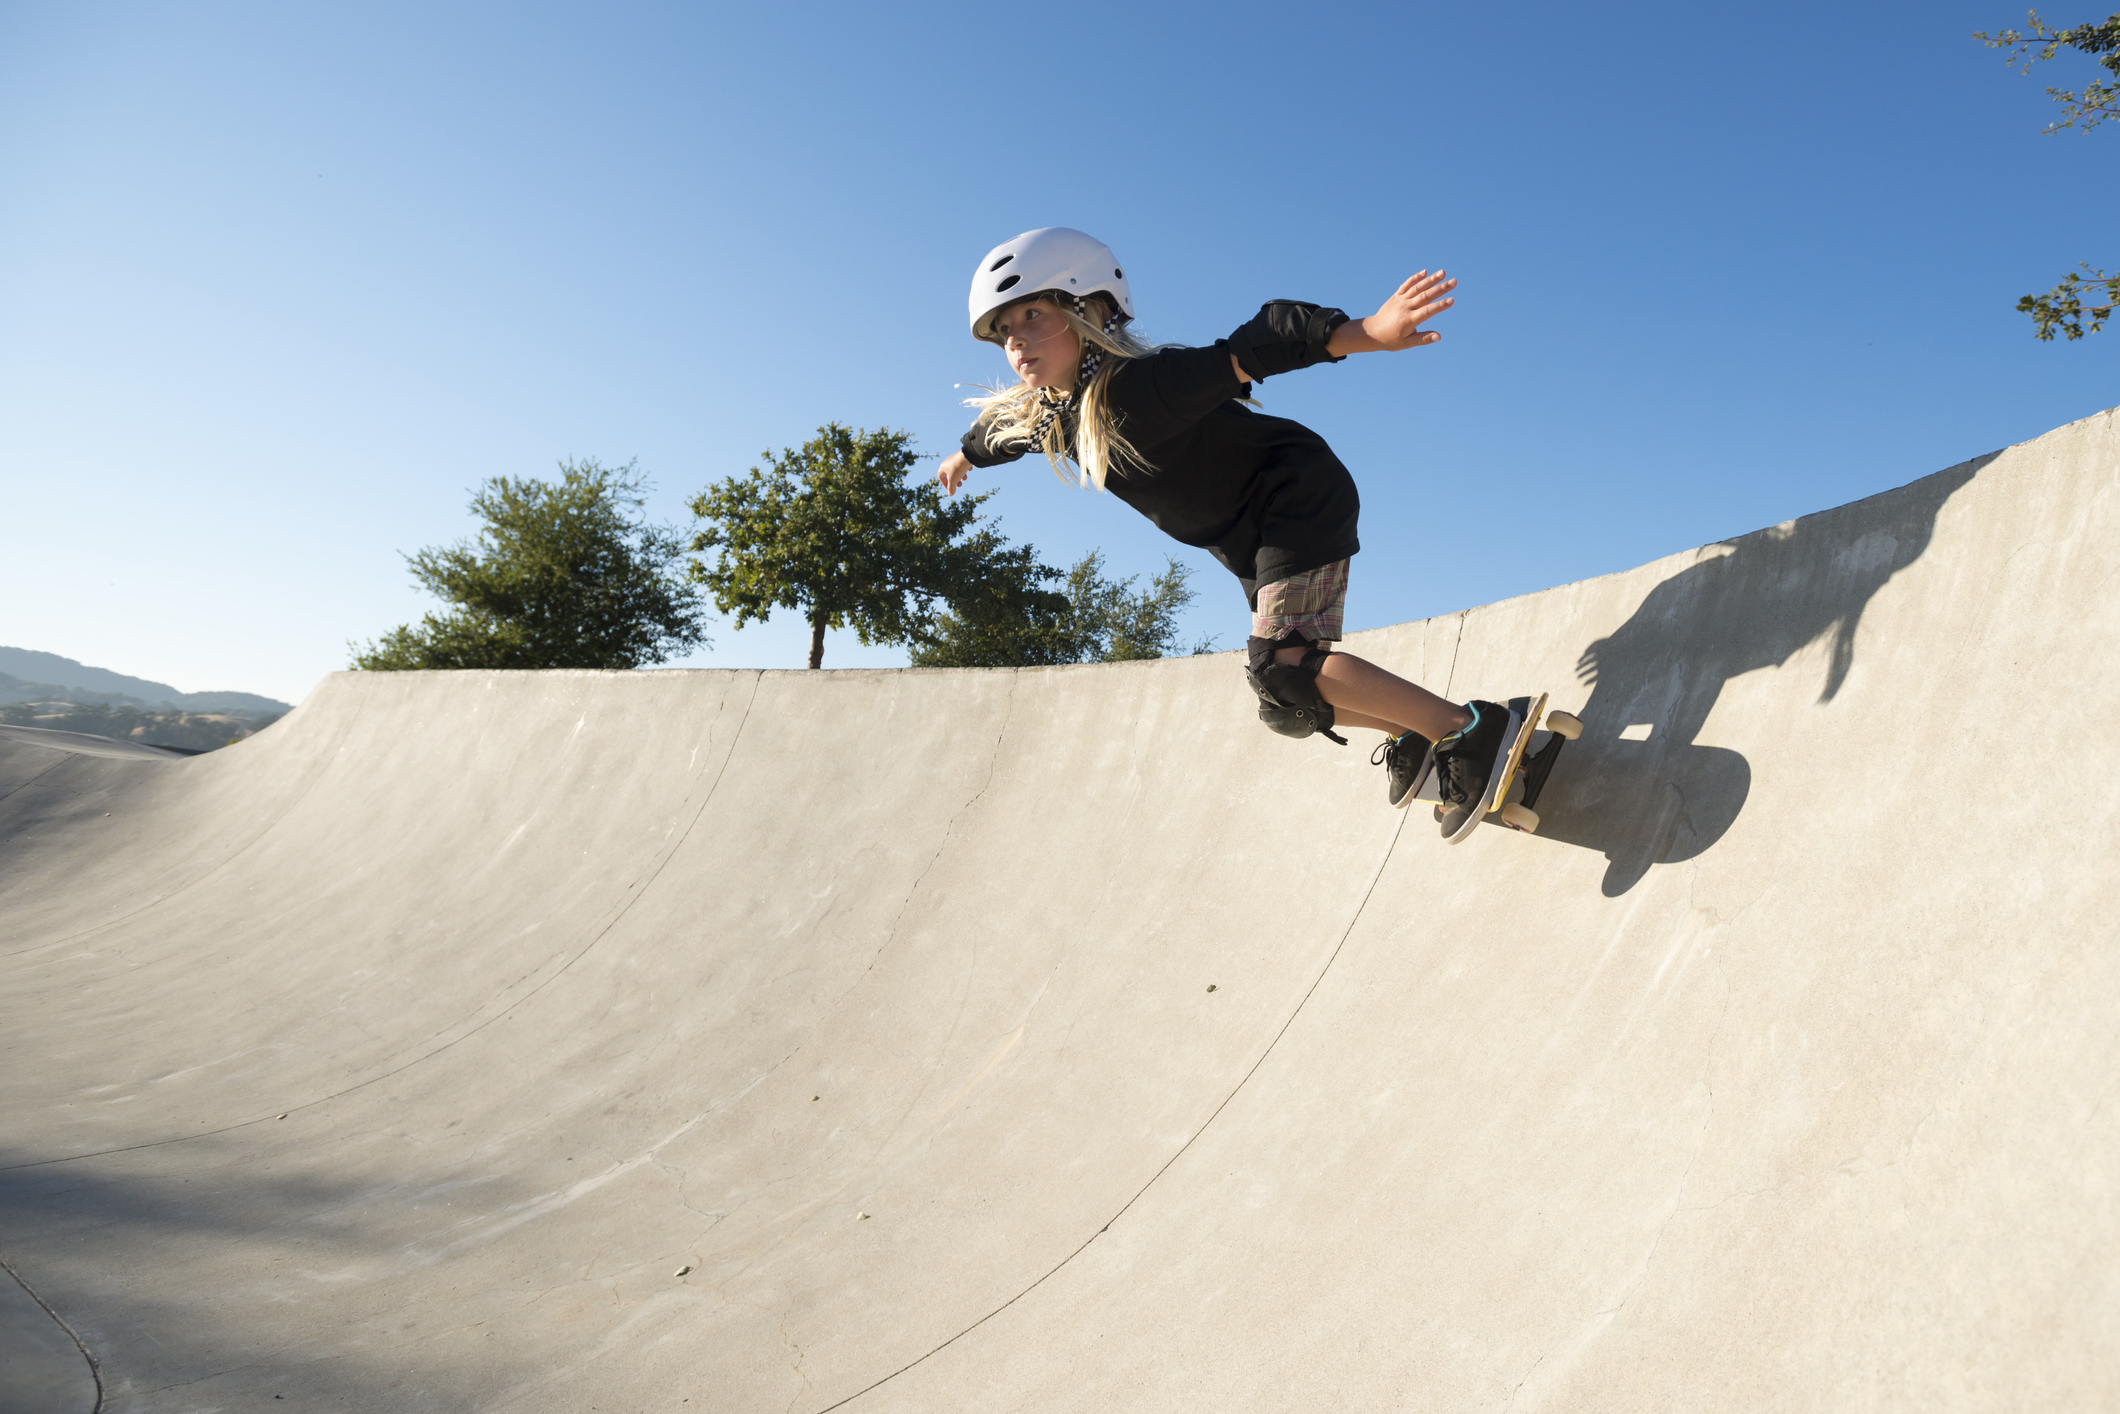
[1454, 769]
[1387, 752]
[1450, 779]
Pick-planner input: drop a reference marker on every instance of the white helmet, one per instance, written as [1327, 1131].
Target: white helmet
[1055, 258]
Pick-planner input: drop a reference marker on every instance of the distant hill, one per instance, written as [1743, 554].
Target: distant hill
[29, 676]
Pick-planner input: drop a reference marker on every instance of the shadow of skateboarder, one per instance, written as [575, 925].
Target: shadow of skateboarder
[1757, 603]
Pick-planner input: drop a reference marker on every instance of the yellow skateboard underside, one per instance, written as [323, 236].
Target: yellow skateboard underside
[1428, 794]
[1516, 752]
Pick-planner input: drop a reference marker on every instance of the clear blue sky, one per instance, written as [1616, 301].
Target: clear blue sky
[279, 284]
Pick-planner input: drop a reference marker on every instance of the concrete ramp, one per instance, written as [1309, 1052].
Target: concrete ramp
[1059, 1040]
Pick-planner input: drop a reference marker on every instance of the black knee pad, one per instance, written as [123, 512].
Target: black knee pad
[1288, 692]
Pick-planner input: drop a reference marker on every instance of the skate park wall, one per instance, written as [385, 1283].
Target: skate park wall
[1059, 1039]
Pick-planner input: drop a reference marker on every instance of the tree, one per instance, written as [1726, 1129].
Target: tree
[1132, 625]
[1013, 622]
[2062, 307]
[565, 575]
[834, 529]
[1007, 620]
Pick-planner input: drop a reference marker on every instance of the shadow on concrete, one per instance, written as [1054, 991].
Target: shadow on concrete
[43, 1368]
[162, 1335]
[1765, 598]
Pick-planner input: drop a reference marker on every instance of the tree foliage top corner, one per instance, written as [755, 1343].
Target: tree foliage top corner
[2063, 309]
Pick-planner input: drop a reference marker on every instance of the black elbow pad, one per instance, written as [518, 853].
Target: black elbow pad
[1285, 335]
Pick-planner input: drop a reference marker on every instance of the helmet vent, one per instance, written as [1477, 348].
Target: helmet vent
[1007, 283]
[1001, 262]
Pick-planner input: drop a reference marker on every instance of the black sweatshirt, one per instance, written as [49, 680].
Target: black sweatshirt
[1264, 495]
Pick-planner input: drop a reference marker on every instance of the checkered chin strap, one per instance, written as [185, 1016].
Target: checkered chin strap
[1092, 360]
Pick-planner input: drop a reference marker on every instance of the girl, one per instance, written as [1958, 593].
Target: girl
[1171, 432]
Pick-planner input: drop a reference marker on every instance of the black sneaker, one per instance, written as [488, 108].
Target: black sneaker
[1406, 761]
[1464, 764]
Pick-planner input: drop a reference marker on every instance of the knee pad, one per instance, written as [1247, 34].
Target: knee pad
[1288, 692]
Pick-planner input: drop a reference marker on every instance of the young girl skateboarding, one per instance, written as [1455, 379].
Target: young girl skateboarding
[1168, 431]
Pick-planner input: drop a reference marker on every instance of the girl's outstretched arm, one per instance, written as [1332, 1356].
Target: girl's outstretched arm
[1397, 325]
[955, 467]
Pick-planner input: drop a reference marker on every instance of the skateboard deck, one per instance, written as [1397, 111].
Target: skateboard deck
[1526, 763]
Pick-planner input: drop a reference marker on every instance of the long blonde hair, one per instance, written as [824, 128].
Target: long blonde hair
[1099, 448]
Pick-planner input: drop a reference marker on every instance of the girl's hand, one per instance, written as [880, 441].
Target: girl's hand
[955, 468]
[1397, 325]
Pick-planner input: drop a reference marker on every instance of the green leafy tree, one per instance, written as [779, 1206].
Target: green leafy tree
[1015, 621]
[834, 529]
[1008, 619]
[2063, 306]
[565, 574]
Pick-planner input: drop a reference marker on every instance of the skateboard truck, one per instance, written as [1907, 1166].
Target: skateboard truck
[1533, 768]
[1530, 767]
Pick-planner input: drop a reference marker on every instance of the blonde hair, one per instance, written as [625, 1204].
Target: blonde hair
[1010, 415]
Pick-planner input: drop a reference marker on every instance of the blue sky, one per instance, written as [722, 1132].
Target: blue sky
[279, 285]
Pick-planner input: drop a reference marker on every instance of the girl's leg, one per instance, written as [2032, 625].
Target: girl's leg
[1344, 718]
[1313, 605]
[1365, 695]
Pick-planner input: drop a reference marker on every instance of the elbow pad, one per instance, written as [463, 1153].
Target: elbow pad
[979, 454]
[1285, 335]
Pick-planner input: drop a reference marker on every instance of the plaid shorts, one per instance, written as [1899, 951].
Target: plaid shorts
[1312, 604]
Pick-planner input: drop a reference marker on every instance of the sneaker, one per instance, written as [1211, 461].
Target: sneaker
[1465, 762]
[1406, 761]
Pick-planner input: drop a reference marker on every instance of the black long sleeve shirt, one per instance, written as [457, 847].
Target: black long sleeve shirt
[1263, 495]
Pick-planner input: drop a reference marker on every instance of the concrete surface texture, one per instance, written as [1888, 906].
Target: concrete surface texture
[1062, 1040]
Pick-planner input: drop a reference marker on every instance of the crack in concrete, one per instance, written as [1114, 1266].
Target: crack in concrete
[993, 763]
[95, 1370]
[1182, 1149]
[201, 1379]
[890, 936]
[800, 1373]
[1457, 641]
[598, 936]
[233, 854]
[993, 760]
[25, 785]
[679, 1177]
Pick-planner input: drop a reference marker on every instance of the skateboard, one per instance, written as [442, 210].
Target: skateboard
[1527, 760]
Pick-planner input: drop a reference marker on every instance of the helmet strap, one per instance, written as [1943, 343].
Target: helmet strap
[1092, 360]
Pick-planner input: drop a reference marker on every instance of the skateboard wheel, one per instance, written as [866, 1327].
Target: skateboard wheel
[1565, 725]
[1523, 817]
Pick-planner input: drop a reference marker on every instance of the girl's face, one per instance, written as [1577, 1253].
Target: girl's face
[1040, 346]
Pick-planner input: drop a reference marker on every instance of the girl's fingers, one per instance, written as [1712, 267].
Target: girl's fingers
[1419, 298]
[1423, 294]
[1421, 286]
